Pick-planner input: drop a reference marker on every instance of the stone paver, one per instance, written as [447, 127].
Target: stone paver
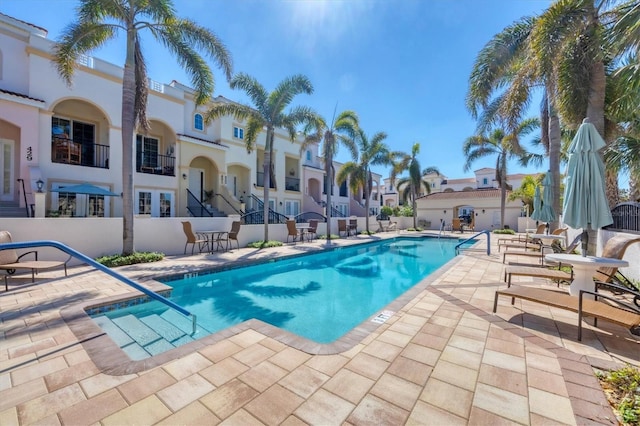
[442, 358]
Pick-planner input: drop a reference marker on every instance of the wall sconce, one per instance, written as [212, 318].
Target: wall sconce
[482, 211]
[184, 176]
[476, 214]
[39, 185]
[445, 212]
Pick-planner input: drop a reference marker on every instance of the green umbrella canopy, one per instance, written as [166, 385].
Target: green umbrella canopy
[547, 214]
[585, 202]
[537, 204]
[85, 188]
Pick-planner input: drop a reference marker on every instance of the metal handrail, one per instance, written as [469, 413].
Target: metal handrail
[457, 248]
[24, 194]
[101, 267]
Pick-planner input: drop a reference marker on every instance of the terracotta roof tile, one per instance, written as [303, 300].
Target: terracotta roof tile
[20, 95]
[476, 193]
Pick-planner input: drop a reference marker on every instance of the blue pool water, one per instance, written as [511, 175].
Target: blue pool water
[319, 296]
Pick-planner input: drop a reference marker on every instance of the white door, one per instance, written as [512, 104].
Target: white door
[496, 219]
[196, 182]
[6, 170]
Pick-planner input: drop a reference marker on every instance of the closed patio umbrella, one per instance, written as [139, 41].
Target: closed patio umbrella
[585, 203]
[537, 205]
[547, 214]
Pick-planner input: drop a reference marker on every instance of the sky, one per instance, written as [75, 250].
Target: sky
[402, 65]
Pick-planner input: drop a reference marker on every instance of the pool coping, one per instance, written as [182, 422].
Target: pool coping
[109, 358]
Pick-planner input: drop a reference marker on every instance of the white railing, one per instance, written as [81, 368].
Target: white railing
[85, 60]
[156, 86]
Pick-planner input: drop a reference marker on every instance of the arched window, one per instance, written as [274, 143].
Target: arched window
[308, 155]
[198, 122]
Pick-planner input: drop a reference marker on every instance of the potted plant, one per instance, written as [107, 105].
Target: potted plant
[208, 196]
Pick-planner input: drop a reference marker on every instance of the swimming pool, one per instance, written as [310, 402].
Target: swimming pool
[318, 296]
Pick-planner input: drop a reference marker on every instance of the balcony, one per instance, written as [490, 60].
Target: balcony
[292, 184]
[77, 153]
[260, 180]
[155, 164]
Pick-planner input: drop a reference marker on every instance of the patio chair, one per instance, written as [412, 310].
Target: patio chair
[194, 238]
[613, 248]
[343, 228]
[293, 232]
[353, 226]
[233, 234]
[10, 261]
[313, 229]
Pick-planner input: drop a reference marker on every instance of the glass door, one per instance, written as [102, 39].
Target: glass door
[6, 170]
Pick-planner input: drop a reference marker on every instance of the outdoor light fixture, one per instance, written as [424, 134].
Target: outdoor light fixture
[184, 176]
[482, 211]
[40, 185]
[445, 212]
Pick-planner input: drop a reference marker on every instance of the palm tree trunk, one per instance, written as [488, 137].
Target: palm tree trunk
[595, 113]
[329, 185]
[266, 167]
[128, 123]
[413, 206]
[555, 143]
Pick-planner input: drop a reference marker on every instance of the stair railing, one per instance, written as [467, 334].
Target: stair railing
[457, 248]
[229, 203]
[74, 253]
[24, 194]
[195, 207]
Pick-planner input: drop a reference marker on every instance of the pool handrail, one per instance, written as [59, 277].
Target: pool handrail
[74, 253]
[457, 248]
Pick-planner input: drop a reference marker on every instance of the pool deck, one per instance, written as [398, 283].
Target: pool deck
[443, 357]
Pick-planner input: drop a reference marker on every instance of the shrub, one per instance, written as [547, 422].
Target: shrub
[265, 244]
[406, 211]
[386, 211]
[122, 260]
[622, 388]
[504, 231]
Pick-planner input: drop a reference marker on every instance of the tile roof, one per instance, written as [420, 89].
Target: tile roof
[20, 95]
[476, 193]
[26, 23]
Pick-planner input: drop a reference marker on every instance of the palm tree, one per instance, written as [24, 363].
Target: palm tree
[268, 112]
[97, 22]
[370, 152]
[410, 186]
[331, 135]
[502, 144]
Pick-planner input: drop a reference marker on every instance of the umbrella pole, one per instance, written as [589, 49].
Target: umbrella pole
[585, 242]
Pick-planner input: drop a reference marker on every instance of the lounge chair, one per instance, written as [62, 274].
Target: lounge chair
[520, 240]
[613, 248]
[535, 243]
[11, 262]
[293, 232]
[194, 238]
[622, 306]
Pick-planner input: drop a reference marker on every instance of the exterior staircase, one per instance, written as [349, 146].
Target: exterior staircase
[12, 209]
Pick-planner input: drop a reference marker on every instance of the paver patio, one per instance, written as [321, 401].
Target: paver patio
[442, 358]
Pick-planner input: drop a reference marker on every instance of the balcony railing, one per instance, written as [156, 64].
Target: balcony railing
[68, 151]
[292, 184]
[260, 180]
[156, 164]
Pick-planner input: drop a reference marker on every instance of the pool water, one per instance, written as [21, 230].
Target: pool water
[319, 296]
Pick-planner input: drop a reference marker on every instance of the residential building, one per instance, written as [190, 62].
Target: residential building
[63, 136]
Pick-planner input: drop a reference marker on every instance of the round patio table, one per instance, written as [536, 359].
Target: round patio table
[583, 269]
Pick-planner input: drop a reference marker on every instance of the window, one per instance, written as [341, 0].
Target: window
[146, 152]
[238, 132]
[343, 189]
[485, 181]
[308, 155]
[198, 122]
[78, 205]
[156, 203]
[291, 207]
[343, 208]
[144, 202]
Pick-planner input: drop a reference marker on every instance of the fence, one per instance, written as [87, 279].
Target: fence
[626, 217]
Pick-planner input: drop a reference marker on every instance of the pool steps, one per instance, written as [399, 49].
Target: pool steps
[150, 335]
